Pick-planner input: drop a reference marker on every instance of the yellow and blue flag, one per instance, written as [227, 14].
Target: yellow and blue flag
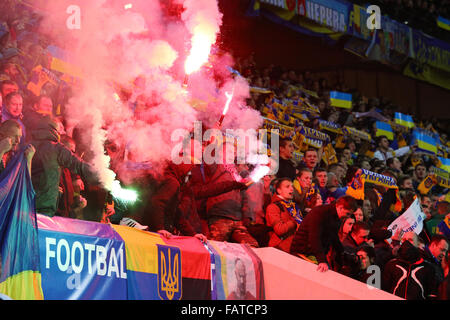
[425, 143]
[404, 120]
[444, 164]
[443, 23]
[341, 99]
[20, 276]
[384, 129]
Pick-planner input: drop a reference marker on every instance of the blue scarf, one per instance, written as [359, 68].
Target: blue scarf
[293, 210]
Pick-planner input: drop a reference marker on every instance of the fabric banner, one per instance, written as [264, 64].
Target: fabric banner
[81, 260]
[431, 51]
[20, 276]
[239, 273]
[411, 220]
[425, 72]
[86, 260]
[330, 126]
[394, 36]
[352, 132]
[166, 269]
[326, 19]
[332, 13]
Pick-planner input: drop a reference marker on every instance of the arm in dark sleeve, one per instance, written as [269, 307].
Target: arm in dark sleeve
[315, 238]
[69, 160]
[214, 189]
[161, 200]
[382, 212]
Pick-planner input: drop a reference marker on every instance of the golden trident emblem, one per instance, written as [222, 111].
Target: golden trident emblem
[169, 277]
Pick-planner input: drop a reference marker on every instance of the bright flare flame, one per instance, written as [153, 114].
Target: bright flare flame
[123, 194]
[201, 46]
[259, 172]
[227, 104]
[128, 6]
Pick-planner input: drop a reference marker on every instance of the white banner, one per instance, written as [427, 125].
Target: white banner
[410, 220]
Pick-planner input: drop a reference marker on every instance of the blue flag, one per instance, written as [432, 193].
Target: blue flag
[20, 276]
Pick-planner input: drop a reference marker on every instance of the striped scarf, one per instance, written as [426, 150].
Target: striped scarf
[293, 210]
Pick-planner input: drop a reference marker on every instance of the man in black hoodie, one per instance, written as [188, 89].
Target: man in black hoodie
[409, 276]
[318, 232]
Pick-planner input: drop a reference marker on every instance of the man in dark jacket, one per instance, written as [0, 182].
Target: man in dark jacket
[318, 232]
[174, 208]
[409, 276]
[434, 252]
[50, 157]
[225, 212]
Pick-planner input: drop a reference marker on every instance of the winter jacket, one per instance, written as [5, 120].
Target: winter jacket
[318, 233]
[282, 223]
[409, 276]
[286, 169]
[174, 201]
[227, 205]
[48, 160]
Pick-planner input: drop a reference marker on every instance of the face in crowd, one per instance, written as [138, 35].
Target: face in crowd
[420, 171]
[286, 190]
[311, 159]
[287, 150]
[322, 178]
[15, 106]
[305, 180]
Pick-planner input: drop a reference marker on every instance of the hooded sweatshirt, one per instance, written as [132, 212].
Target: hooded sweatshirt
[409, 276]
[48, 160]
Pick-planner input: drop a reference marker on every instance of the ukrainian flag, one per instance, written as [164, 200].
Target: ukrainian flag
[384, 129]
[404, 120]
[425, 143]
[341, 99]
[443, 23]
[445, 164]
[20, 276]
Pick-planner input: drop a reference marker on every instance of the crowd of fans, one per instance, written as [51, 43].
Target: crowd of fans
[418, 14]
[302, 209]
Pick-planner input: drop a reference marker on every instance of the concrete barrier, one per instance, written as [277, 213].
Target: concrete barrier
[287, 277]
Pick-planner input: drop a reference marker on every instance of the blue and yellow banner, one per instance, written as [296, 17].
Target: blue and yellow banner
[341, 99]
[20, 276]
[384, 129]
[404, 120]
[425, 143]
[443, 23]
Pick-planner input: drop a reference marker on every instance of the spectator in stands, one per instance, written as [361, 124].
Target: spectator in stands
[409, 276]
[8, 86]
[339, 170]
[405, 182]
[395, 164]
[358, 236]
[41, 108]
[225, 212]
[71, 203]
[384, 152]
[50, 157]
[283, 215]
[434, 253]
[286, 167]
[346, 227]
[311, 159]
[13, 110]
[321, 178]
[319, 232]
[10, 136]
[420, 172]
[306, 195]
